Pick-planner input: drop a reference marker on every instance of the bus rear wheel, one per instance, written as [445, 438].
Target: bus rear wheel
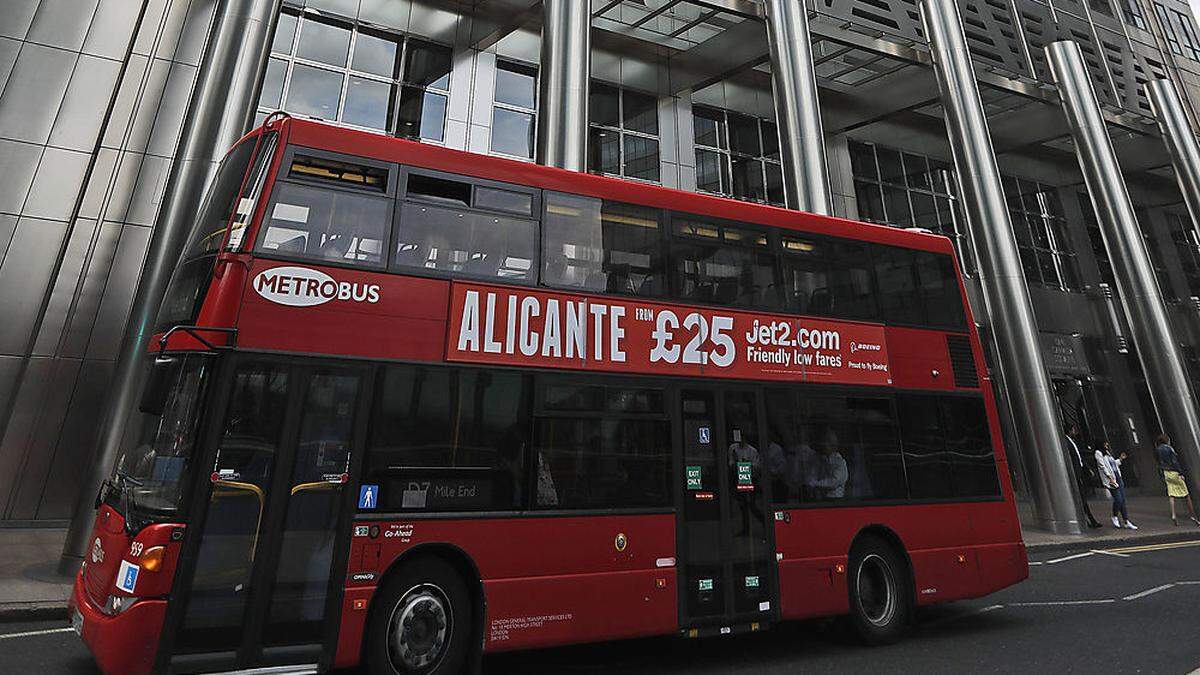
[880, 600]
[421, 623]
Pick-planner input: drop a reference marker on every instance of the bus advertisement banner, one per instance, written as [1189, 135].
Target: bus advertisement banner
[511, 326]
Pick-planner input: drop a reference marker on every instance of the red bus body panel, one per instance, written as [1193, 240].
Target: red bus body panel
[548, 581]
[126, 642]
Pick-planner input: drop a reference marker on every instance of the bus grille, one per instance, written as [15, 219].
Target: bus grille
[962, 361]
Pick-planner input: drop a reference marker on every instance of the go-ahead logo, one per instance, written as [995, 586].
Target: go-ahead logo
[304, 287]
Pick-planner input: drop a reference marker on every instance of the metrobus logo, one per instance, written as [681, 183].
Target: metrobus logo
[304, 287]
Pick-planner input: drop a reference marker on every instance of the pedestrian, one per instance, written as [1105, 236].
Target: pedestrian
[1109, 467]
[1083, 473]
[1172, 473]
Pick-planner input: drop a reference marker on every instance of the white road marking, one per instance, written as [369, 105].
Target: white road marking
[32, 633]
[1112, 553]
[1058, 603]
[1070, 557]
[1151, 591]
[1034, 562]
[1187, 583]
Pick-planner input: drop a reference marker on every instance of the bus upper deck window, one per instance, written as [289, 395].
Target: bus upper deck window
[509, 201]
[441, 190]
[342, 173]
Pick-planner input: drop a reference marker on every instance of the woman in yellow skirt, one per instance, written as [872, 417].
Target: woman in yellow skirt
[1172, 474]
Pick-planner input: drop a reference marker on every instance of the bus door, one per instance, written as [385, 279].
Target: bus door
[725, 547]
[259, 582]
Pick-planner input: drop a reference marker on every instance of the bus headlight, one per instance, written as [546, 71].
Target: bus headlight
[119, 603]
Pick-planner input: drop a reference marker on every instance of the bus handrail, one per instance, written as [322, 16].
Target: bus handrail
[238, 486]
[315, 485]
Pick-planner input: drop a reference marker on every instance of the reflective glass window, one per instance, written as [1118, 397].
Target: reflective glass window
[322, 42]
[375, 55]
[516, 85]
[938, 288]
[331, 225]
[722, 264]
[605, 247]
[466, 243]
[623, 136]
[314, 91]
[832, 448]
[927, 462]
[514, 110]
[512, 132]
[444, 439]
[899, 300]
[737, 156]
[823, 277]
[969, 444]
[596, 449]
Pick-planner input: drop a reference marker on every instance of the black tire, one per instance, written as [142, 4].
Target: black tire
[433, 599]
[881, 598]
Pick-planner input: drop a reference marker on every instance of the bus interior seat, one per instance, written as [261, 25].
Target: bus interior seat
[726, 292]
[336, 247]
[296, 244]
[820, 302]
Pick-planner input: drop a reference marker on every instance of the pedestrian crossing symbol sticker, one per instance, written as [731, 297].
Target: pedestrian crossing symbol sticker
[368, 496]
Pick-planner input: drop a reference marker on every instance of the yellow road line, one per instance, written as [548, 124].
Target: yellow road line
[1154, 547]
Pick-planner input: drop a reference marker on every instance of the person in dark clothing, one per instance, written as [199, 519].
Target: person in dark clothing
[1076, 450]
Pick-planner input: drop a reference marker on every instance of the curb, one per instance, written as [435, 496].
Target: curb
[32, 611]
[1191, 534]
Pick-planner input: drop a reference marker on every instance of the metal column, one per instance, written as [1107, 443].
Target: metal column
[220, 111]
[1180, 141]
[563, 90]
[1141, 298]
[797, 107]
[1005, 294]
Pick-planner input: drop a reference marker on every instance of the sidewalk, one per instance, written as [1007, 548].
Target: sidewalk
[29, 585]
[1151, 514]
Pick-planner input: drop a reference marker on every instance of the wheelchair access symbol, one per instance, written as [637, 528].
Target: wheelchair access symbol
[705, 436]
[368, 496]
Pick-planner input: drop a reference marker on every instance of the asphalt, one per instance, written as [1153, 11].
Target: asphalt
[1116, 610]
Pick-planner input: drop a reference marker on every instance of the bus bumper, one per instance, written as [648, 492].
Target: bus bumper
[124, 644]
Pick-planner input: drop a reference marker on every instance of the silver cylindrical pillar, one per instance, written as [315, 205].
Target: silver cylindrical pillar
[1141, 298]
[220, 111]
[1005, 294]
[563, 90]
[797, 107]
[1180, 141]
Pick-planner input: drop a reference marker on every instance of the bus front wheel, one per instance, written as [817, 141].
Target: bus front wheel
[880, 600]
[422, 622]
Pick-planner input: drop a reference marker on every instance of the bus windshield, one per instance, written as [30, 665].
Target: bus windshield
[229, 203]
[151, 476]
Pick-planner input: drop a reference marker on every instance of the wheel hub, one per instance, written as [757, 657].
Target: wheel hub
[419, 629]
[877, 593]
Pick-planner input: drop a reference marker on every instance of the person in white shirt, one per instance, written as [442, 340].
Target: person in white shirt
[1109, 467]
[827, 473]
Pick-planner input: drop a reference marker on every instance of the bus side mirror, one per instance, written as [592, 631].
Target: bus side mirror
[157, 386]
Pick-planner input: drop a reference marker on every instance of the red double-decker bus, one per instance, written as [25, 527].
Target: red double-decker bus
[409, 405]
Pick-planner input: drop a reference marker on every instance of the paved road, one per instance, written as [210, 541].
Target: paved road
[1137, 610]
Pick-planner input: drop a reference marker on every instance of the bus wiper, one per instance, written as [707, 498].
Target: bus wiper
[124, 484]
